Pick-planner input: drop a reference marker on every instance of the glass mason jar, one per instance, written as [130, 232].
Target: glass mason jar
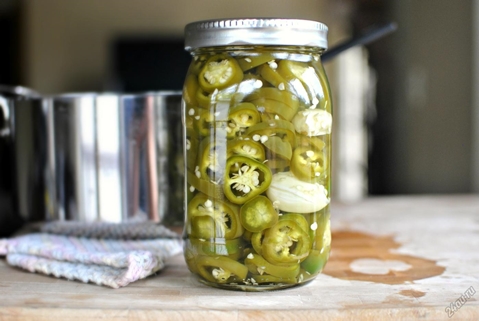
[258, 119]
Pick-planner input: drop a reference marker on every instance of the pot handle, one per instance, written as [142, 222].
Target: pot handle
[4, 117]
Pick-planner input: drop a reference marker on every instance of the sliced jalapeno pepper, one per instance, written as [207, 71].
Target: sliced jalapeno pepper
[247, 235]
[257, 240]
[274, 101]
[258, 265]
[230, 248]
[191, 148]
[211, 158]
[244, 115]
[248, 148]
[298, 219]
[277, 80]
[316, 261]
[286, 243]
[189, 89]
[271, 75]
[245, 178]
[308, 165]
[219, 72]
[210, 218]
[206, 187]
[213, 121]
[277, 164]
[262, 279]
[258, 214]
[277, 127]
[220, 269]
[279, 148]
[312, 142]
[291, 70]
[197, 65]
[203, 98]
[247, 63]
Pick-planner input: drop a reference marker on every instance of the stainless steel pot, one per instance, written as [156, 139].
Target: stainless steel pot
[97, 157]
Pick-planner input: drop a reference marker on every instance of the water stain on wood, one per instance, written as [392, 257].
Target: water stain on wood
[349, 246]
[412, 293]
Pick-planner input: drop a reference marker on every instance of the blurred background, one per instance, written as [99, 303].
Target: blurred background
[407, 114]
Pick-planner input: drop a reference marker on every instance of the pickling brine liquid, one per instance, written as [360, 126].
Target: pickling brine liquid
[258, 155]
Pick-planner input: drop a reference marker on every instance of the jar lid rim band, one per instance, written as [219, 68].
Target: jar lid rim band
[255, 31]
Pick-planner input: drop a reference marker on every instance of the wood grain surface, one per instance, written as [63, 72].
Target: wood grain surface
[393, 258]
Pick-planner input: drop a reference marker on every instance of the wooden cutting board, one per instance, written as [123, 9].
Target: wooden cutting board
[397, 258]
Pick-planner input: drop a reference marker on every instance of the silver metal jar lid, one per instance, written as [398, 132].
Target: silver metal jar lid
[257, 31]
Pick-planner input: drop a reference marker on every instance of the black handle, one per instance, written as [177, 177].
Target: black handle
[369, 35]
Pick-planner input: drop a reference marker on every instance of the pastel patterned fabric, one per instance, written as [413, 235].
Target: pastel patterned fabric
[110, 262]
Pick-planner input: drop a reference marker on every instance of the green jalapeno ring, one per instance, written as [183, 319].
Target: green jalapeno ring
[266, 279]
[244, 115]
[219, 72]
[211, 157]
[248, 148]
[231, 248]
[257, 241]
[258, 265]
[245, 178]
[279, 148]
[213, 190]
[298, 219]
[275, 127]
[308, 164]
[251, 61]
[312, 142]
[316, 260]
[209, 218]
[220, 269]
[189, 89]
[286, 243]
[258, 214]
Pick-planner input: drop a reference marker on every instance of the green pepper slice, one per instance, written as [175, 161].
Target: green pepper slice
[257, 240]
[230, 248]
[206, 187]
[312, 142]
[277, 80]
[211, 158]
[274, 101]
[308, 164]
[251, 62]
[298, 219]
[245, 178]
[316, 260]
[192, 144]
[220, 269]
[275, 127]
[258, 214]
[277, 164]
[286, 243]
[189, 89]
[219, 72]
[248, 148]
[210, 218]
[272, 76]
[258, 265]
[244, 115]
[281, 149]
[309, 80]
[262, 279]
